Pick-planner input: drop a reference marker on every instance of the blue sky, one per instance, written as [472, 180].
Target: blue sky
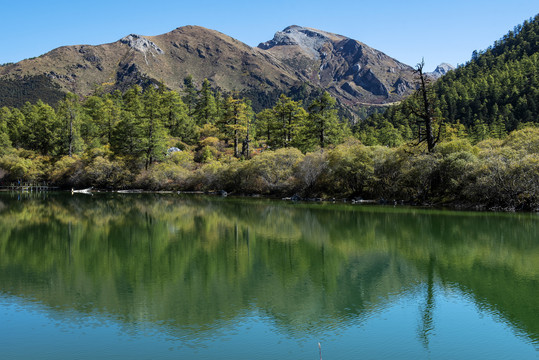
[406, 30]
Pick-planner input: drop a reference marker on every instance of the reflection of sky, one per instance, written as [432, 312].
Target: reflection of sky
[225, 284]
[460, 330]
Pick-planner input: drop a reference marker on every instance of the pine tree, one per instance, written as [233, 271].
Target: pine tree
[40, 131]
[234, 122]
[5, 143]
[153, 132]
[322, 126]
[70, 116]
[288, 116]
[176, 118]
[190, 97]
[265, 121]
[127, 134]
[205, 109]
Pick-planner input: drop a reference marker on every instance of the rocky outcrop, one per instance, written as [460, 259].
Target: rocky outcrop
[310, 41]
[441, 70]
[141, 44]
[350, 70]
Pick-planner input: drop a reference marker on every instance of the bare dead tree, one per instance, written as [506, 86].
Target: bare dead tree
[423, 109]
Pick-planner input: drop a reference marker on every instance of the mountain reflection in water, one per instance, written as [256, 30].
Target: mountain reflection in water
[190, 265]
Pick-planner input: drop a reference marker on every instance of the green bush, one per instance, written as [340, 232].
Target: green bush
[272, 172]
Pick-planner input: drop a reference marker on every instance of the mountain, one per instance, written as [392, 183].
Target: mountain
[350, 70]
[441, 70]
[496, 92]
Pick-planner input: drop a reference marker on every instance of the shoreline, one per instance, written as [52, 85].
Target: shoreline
[298, 199]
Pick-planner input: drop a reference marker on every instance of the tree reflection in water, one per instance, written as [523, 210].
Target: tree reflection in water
[188, 264]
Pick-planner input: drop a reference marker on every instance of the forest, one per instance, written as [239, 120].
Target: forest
[483, 116]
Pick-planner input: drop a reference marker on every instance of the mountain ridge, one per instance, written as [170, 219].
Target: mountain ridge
[351, 71]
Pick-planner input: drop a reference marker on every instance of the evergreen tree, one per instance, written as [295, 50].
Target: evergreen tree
[128, 132]
[70, 116]
[15, 125]
[176, 118]
[190, 95]
[153, 132]
[390, 136]
[479, 131]
[288, 116]
[91, 130]
[5, 143]
[265, 125]
[234, 122]
[322, 126]
[112, 110]
[40, 132]
[206, 108]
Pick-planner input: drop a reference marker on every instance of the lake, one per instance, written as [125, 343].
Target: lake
[170, 276]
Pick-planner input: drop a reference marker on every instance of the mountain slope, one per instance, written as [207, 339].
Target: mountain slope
[351, 71]
[494, 93]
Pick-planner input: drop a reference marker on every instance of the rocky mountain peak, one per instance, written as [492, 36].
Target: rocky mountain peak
[441, 70]
[141, 44]
[309, 40]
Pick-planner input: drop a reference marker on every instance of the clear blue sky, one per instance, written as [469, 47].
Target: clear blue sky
[439, 31]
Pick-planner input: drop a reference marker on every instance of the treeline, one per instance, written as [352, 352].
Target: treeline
[492, 174]
[157, 139]
[140, 128]
[496, 92]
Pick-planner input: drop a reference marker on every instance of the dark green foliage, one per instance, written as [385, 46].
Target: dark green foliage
[288, 124]
[205, 110]
[495, 92]
[323, 127]
[176, 118]
[16, 92]
[70, 115]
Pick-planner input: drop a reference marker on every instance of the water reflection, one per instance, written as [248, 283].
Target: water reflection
[190, 265]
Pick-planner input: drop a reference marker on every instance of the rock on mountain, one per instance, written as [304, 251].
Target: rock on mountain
[353, 72]
[349, 69]
[441, 70]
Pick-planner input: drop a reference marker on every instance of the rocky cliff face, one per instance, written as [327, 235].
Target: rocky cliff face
[349, 69]
[441, 70]
[352, 71]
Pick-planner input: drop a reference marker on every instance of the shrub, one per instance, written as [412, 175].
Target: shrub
[67, 172]
[272, 172]
[351, 168]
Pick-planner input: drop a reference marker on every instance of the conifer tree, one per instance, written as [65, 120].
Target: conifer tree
[205, 109]
[70, 116]
[190, 94]
[127, 134]
[40, 132]
[153, 133]
[5, 143]
[288, 116]
[15, 124]
[234, 122]
[176, 118]
[322, 126]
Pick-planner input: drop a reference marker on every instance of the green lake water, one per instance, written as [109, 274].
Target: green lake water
[168, 276]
